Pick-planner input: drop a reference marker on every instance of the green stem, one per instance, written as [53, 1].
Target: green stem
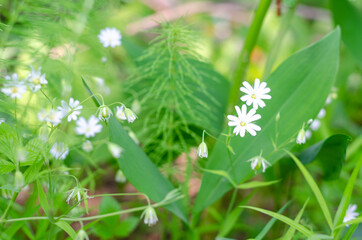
[231, 204]
[244, 57]
[273, 54]
[11, 203]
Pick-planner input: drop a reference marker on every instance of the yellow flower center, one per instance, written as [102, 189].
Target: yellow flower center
[242, 124]
[253, 96]
[36, 81]
[14, 90]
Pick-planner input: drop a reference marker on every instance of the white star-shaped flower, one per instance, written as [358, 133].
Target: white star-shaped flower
[110, 37]
[54, 117]
[90, 128]
[244, 121]
[258, 162]
[13, 87]
[73, 109]
[350, 213]
[59, 150]
[42, 115]
[35, 79]
[254, 95]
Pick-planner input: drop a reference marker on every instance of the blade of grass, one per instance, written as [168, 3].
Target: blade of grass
[350, 232]
[256, 184]
[290, 233]
[67, 228]
[95, 99]
[290, 222]
[313, 185]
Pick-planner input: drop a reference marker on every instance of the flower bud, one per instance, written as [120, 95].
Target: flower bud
[115, 149]
[104, 113]
[150, 217]
[131, 116]
[120, 177]
[202, 150]
[19, 179]
[82, 235]
[301, 136]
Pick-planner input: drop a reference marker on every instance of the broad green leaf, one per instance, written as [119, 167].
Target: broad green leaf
[140, 171]
[313, 185]
[350, 20]
[290, 233]
[290, 222]
[271, 222]
[299, 88]
[33, 149]
[67, 228]
[330, 154]
[127, 226]
[6, 166]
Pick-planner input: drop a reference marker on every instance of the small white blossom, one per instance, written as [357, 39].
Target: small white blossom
[120, 113]
[87, 146]
[13, 87]
[150, 217]
[130, 115]
[54, 117]
[315, 124]
[202, 150]
[72, 109]
[350, 213]
[59, 150]
[301, 136]
[110, 37]
[308, 134]
[258, 162]
[104, 113]
[44, 133]
[82, 235]
[322, 113]
[2, 120]
[254, 95]
[77, 193]
[88, 129]
[104, 59]
[115, 149]
[36, 79]
[120, 177]
[244, 121]
[42, 115]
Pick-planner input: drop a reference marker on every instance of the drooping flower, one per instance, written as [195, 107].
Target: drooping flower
[258, 162]
[72, 109]
[87, 146]
[202, 150]
[88, 128]
[54, 117]
[13, 87]
[150, 216]
[301, 136]
[244, 121]
[315, 124]
[110, 37]
[120, 177]
[104, 113]
[82, 235]
[120, 113]
[114, 149]
[322, 113]
[36, 79]
[254, 95]
[350, 213]
[77, 193]
[59, 150]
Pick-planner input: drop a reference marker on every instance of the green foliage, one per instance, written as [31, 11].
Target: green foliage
[313, 70]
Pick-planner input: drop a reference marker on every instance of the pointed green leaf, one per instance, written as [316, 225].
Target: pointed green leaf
[67, 228]
[299, 88]
[290, 233]
[256, 184]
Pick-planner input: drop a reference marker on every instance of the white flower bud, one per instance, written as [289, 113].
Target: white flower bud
[202, 150]
[115, 149]
[131, 116]
[258, 162]
[104, 113]
[120, 177]
[82, 235]
[19, 179]
[301, 136]
[150, 217]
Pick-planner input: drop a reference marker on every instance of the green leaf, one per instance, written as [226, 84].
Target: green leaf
[6, 166]
[127, 226]
[349, 18]
[109, 205]
[350, 232]
[94, 98]
[284, 219]
[299, 88]
[33, 149]
[330, 154]
[313, 185]
[8, 141]
[256, 184]
[271, 222]
[67, 228]
[290, 233]
[43, 198]
[140, 171]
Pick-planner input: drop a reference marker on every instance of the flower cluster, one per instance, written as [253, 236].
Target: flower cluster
[254, 95]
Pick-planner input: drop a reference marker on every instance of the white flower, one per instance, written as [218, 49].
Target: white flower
[202, 150]
[350, 213]
[87, 146]
[150, 217]
[301, 136]
[36, 79]
[120, 177]
[254, 95]
[104, 113]
[82, 235]
[73, 109]
[104, 59]
[59, 150]
[308, 134]
[2, 120]
[54, 117]
[258, 162]
[13, 87]
[115, 149]
[88, 129]
[243, 122]
[120, 113]
[130, 115]
[110, 37]
[322, 113]
[77, 193]
[42, 115]
[315, 124]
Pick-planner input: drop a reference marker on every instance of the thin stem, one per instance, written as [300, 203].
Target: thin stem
[244, 57]
[231, 204]
[13, 198]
